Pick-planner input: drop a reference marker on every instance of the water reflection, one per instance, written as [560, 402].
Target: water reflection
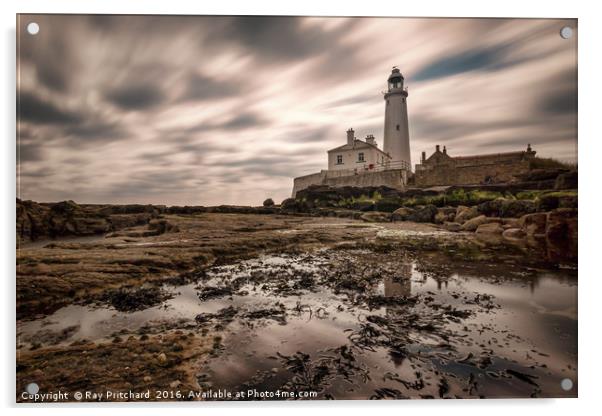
[534, 329]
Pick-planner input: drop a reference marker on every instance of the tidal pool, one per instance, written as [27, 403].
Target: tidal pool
[353, 324]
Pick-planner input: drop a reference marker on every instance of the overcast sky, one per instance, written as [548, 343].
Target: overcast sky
[227, 110]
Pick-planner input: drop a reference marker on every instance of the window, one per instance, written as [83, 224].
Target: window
[339, 159]
[394, 83]
[360, 157]
[397, 127]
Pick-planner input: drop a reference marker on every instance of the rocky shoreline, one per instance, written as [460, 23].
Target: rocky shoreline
[125, 258]
[134, 244]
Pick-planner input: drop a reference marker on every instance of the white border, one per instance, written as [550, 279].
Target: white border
[590, 69]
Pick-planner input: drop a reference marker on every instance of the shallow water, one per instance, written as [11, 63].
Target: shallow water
[520, 342]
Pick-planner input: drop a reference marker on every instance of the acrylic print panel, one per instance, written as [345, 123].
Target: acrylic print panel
[295, 208]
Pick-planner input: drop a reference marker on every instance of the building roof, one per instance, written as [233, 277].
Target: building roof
[517, 153]
[357, 144]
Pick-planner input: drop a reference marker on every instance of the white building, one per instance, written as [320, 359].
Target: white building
[360, 162]
[357, 155]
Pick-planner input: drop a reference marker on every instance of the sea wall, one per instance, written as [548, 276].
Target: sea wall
[495, 171]
[395, 178]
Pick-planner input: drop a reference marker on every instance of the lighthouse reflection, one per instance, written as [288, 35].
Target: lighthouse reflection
[400, 284]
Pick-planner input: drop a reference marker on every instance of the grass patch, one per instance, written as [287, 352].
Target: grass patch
[360, 200]
[528, 195]
[550, 163]
[560, 194]
[454, 198]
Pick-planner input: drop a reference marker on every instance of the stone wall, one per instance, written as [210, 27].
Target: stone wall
[474, 172]
[395, 178]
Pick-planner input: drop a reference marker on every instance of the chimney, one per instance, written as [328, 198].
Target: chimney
[350, 137]
[370, 140]
[444, 150]
[423, 158]
[437, 148]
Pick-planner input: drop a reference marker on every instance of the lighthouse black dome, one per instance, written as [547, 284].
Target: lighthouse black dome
[395, 74]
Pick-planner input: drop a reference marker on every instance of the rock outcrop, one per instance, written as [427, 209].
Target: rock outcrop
[423, 214]
[66, 218]
[561, 233]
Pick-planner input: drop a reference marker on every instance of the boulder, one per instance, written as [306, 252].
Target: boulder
[568, 180]
[268, 202]
[473, 223]
[452, 226]
[533, 224]
[548, 202]
[402, 214]
[464, 214]
[376, 216]
[294, 205]
[562, 233]
[490, 228]
[513, 234]
[423, 214]
[502, 207]
[516, 208]
[491, 208]
[445, 215]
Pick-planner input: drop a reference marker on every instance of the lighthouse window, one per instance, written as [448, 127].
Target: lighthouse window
[360, 157]
[339, 159]
[397, 127]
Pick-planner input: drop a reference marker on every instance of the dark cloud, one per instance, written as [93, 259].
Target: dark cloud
[136, 97]
[27, 152]
[38, 173]
[561, 98]
[559, 102]
[242, 121]
[277, 38]
[307, 135]
[50, 52]
[281, 39]
[94, 132]
[36, 110]
[201, 88]
[53, 76]
[469, 60]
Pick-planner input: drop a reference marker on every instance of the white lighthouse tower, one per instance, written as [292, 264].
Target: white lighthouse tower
[397, 136]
